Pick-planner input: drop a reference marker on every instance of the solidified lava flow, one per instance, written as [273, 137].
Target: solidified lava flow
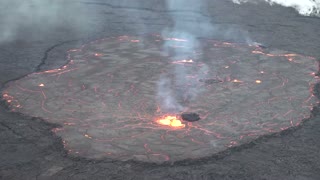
[105, 98]
[191, 117]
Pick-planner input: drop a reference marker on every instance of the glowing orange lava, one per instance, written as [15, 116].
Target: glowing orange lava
[172, 121]
[236, 81]
[176, 39]
[98, 54]
[184, 61]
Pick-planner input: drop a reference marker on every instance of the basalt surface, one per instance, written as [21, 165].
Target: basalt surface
[107, 97]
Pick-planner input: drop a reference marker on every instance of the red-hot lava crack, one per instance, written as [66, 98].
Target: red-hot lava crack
[105, 98]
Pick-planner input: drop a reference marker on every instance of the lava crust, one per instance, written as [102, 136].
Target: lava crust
[113, 96]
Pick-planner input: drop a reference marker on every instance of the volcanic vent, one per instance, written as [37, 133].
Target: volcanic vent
[105, 98]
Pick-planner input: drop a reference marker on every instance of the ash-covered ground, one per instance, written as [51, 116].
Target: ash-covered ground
[37, 39]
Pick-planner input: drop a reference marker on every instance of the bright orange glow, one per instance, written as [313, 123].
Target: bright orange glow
[98, 54]
[183, 61]
[190, 60]
[87, 136]
[260, 52]
[290, 55]
[170, 121]
[52, 71]
[41, 85]
[258, 81]
[257, 52]
[175, 39]
[236, 81]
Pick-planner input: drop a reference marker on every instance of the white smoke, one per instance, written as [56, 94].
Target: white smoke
[38, 17]
[190, 21]
[166, 96]
[304, 7]
[169, 94]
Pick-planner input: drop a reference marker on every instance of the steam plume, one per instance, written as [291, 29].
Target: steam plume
[169, 95]
[38, 18]
[304, 7]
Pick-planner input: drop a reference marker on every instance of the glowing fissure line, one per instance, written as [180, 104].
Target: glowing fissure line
[27, 90]
[120, 138]
[65, 71]
[185, 61]
[43, 108]
[198, 142]
[43, 94]
[205, 130]
[175, 39]
[287, 113]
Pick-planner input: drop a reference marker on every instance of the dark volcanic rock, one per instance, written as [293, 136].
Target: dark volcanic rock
[210, 81]
[190, 117]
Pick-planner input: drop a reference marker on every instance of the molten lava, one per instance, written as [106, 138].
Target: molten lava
[106, 98]
[172, 121]
[184, 61]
